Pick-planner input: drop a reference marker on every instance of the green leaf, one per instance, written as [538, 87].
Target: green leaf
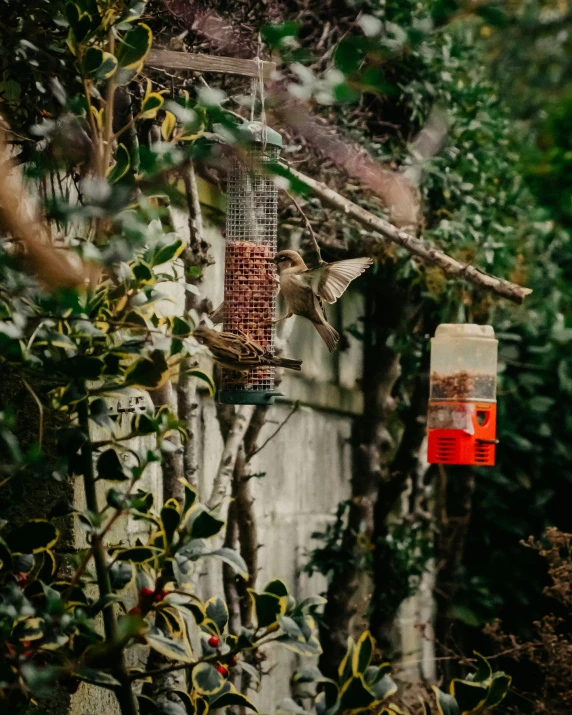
[383, 688]
[121, 574]
[363, 652]
[167, 646]
[277, 587]
[216, 610]
[83, 366]
[143, 424]
[98, 64]
[206, 679]
[349, 54]
[167, 253]
[96, 677]
[469, 695]
[170, 518]
[498, 688]
[267, 608]
[135, 46]
[190, 495]
[151, 105]
[232, 558]
[110, 468]
[484, 670]
[446, 704]
[99, 413]
[345, 667]
[121, 166]
[205, 525]
[80, 22]
[355, 695]
[205, 377]
[148, 372]
[291, 628]
[137, 554]
[33, 537]
[230, 698]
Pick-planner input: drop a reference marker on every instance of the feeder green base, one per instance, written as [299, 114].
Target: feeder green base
[246, 397]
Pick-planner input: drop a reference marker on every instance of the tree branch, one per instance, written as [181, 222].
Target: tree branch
[222, 480]
[421, 250]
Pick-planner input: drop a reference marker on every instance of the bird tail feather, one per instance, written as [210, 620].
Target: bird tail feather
[328, 334]
[289, 363]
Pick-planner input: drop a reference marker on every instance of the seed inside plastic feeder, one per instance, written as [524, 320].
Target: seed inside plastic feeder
[461, 420]
[249, 286]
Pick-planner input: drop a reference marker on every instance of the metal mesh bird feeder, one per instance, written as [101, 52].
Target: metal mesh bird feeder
[462, 400]
[249, 285]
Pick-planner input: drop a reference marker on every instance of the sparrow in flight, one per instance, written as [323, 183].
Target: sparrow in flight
[305, 290]
[239, 352]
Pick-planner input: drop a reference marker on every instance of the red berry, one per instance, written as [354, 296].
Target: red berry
[222, 670]
[160, 596]
[146, 592]
[234, 660]
[214, 642]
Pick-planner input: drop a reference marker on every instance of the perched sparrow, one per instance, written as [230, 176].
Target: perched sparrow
[238, 352]
[306, 289]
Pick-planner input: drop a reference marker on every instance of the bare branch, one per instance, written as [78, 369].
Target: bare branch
[420, 249]
[222, 480]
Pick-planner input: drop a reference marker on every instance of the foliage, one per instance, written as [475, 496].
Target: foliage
[542, 685]
[363, 686]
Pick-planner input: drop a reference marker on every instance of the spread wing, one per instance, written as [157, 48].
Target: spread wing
[329, 282]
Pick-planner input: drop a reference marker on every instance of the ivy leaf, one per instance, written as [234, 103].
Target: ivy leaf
[33, 537]
[110, 468]
[206, 679]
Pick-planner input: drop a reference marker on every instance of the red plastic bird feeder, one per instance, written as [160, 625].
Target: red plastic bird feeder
[462, 401]
[249, 286]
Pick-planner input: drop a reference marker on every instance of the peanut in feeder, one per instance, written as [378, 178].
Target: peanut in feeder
[249, 286]
[462, 400]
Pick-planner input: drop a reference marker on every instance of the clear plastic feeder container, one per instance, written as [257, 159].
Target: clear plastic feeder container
[464, 363]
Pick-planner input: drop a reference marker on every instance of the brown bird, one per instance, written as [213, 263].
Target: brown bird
[305, 290]
[239, 352]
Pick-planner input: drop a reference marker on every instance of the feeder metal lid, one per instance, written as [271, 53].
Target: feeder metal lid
[465, 330]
